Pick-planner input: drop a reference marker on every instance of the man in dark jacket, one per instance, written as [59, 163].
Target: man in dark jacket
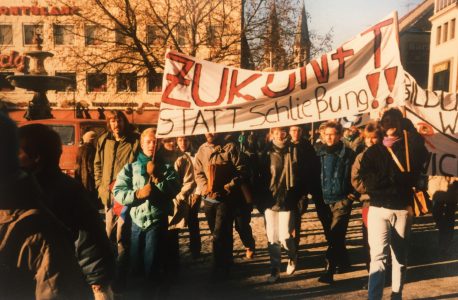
[390, 175]
[115, 148]
[40, 150]
[36, 259]
[308, 180]
[283, 189]
[84, 172]
[338, 193]
[219, 171]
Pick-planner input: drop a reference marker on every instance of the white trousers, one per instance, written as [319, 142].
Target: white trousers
[388, 229]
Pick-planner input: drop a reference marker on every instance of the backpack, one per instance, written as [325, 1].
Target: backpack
[220, 172]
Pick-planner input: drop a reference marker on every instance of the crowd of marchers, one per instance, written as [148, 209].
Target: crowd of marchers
[55, 242]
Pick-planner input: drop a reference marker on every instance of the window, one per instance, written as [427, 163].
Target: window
[120, 37]
[93, 35]
[452, 28]
[30, 31]
[181, 35]
[63, 34]
[438, 35]
[151, 34]
[6, 34]
[126, 82]
[66, 133]
[211, 34]
[5, 85]
[445, 32]
[72, 77]
[441, 77]
[155, 82]
[96, 82]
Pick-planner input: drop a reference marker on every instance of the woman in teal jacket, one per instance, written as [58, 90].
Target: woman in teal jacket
[147, 190]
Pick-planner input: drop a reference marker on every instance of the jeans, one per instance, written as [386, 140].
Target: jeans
[337, 254]
[279, 228]
[220, 219]
[118, 231]
[388, 229]
[242, 225]
[148, 249]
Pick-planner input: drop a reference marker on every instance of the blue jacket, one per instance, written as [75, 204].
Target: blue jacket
[336, 172]
[160, 203]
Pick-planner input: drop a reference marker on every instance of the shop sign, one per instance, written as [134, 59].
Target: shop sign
[38, 11]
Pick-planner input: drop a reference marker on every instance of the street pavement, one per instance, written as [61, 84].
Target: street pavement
[429, 275]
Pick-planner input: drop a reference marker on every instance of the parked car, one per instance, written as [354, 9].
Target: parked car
[71, 132]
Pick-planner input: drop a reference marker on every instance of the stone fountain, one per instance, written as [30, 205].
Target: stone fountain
[38, 81]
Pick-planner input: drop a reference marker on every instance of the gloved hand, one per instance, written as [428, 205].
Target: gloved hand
[227, 188]
[143, 192]
[152, 172]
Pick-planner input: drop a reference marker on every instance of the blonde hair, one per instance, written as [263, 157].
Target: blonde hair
[148, 131]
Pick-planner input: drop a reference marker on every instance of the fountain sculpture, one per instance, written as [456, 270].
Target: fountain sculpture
[38, 81]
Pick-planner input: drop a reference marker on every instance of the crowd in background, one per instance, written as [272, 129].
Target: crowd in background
[150, 189]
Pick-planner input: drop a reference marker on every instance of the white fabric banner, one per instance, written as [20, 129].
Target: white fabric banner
[361, 76]
[435, 115]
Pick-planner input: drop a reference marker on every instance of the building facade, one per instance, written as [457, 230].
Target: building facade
[414, 36]
[94, 50]
[443, 60]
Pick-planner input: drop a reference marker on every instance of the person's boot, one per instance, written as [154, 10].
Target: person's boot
[328, 275]
[274, 275]
[292, 254]
[275, 261]
[249, 254]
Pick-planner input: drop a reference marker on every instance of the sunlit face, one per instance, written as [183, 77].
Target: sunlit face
[117, 126]
[331, 136]
[371, 139]
[279, 135]
[169, 144]
[295, 132]
[183, 143]
[148, 143]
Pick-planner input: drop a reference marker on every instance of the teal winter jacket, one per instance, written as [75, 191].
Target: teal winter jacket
[158, 205]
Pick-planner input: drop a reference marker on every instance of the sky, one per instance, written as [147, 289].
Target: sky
[350, 17]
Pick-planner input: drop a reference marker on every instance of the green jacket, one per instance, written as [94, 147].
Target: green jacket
[158, 205]
[110, 158]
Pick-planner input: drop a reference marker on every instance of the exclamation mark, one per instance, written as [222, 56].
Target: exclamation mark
[373, 81]
[390, 76]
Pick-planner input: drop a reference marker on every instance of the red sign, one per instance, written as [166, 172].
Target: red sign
[12, 60]
[38, 11]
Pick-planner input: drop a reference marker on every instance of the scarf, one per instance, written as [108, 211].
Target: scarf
[333, 148]
[143, 160]
[389, 141]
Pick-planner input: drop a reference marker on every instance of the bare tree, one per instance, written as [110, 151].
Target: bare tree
[133, 35]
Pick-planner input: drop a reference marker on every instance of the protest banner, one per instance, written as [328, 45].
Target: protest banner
[361, 76]
[435, 115]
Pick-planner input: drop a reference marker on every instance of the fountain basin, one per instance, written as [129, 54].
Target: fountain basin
[39, 82]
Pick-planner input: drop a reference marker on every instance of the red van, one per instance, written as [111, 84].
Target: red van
[71, 133]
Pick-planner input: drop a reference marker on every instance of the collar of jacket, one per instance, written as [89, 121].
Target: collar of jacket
[339, 152]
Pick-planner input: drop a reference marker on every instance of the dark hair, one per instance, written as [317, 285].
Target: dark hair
[331, 124]
[117, 114]
[38, 140]
[9, 146]
[373, 127]
[392, 118]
